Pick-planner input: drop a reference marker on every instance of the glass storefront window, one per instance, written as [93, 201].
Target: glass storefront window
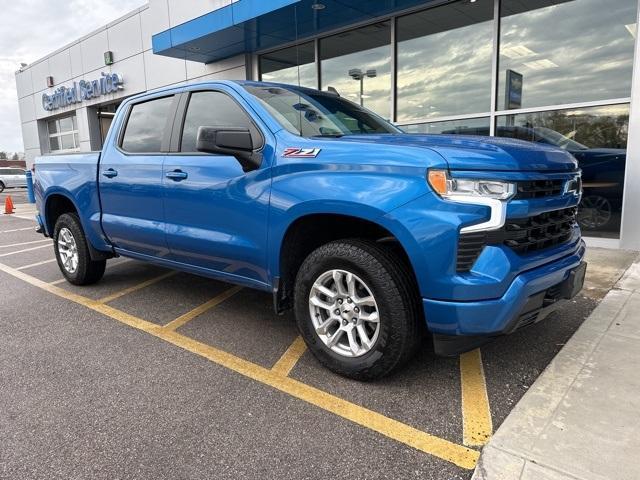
[469, 126]
[444, 61]
[282, 66]
[63, 134]
[557, 52]
[597, 138]
[357, 64]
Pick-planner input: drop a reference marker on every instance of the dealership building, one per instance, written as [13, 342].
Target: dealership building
[563, 72]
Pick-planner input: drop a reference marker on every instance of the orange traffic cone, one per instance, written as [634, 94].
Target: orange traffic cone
[8, 205]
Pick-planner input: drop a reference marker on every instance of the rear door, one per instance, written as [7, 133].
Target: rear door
[216, 214]
[19, 178]
[131, 180]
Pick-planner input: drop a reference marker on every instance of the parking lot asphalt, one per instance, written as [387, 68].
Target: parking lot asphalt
[18, 195]
[157, 374]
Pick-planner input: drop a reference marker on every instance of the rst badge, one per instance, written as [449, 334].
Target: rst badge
[295, 152]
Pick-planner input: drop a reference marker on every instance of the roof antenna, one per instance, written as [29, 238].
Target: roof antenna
[333, 90]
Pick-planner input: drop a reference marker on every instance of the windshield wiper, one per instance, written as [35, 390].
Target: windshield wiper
[328, 135]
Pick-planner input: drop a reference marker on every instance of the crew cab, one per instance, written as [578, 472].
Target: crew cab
[376, 239]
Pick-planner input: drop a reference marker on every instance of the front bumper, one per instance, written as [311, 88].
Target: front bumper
[530, 297]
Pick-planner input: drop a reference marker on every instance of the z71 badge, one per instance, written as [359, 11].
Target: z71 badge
[295, 152]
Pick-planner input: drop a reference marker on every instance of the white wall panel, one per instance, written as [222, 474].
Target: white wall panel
[60, 67]
[124, 38]
[184, 10]
[24, 85]
[154, 19]
[161, 71]
[93, 49]
[75, 54]
[196, 69]
[132, 71]
[39, 73]
[237, 73]
[27, 108]
[30, 135]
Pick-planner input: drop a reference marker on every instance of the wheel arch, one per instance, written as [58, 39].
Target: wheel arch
[308, 231]
[58, 203]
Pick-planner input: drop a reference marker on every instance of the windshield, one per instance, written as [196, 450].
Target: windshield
[311, 113]
[557, 139]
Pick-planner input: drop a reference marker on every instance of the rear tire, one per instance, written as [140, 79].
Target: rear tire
[72, 252]
[1, 187]
[341, 336]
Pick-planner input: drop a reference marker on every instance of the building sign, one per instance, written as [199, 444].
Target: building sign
[83, 90]
[514, 90]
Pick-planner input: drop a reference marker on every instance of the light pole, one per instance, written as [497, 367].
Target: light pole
[357, 74]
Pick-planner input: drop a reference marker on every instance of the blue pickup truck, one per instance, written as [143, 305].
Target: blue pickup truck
[375, 238]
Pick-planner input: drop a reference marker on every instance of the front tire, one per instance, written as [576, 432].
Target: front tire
[72, 252]
[357, 308]
[1, 187]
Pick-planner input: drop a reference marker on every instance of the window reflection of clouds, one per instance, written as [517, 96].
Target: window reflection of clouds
[281, 66]
[444, 61]
[365, 48]
[468, 126]
[574, 51]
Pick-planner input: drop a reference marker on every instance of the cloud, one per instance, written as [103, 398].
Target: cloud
[30, 30]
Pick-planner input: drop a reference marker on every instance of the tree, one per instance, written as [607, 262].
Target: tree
[15, 157]
[3, 155]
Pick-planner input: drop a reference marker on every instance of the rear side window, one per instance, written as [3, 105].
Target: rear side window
[214, 109]
[145, 127]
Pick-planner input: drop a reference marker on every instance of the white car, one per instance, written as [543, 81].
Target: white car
[12, 177]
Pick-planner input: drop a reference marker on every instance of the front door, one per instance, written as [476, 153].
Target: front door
[216, 214]
[131, 180]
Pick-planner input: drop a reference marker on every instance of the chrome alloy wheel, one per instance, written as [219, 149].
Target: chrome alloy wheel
[344, 313]
[68, 250]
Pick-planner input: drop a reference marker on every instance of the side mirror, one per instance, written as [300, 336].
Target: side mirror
[232, 141]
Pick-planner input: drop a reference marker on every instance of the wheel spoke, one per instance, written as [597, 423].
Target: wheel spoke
[326, 291]
[371, 317]
[323, 328]
[320, 303]
[364, 336]
[351, 285]
[333, 340]
[337, 278]
[365, 301]
[353, 343]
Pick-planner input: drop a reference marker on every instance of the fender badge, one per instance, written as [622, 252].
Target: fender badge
[296, 152]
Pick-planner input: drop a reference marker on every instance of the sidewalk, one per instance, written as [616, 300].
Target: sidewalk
[581, 418]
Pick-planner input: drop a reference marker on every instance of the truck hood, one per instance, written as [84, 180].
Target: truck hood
[464, 152]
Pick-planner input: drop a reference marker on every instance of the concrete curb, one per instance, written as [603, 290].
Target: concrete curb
[579, 420]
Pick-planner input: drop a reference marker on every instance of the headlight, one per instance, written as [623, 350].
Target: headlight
[455, 188]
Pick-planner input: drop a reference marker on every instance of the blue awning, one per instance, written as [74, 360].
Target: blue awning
[247, 26]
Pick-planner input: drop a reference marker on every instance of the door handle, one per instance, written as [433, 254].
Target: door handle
[110, 173]
[176, 175]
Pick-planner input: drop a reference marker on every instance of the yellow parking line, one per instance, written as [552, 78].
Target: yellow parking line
[137, 287]
[37, 264]
[25, 243]
[58, 282]
[24, 250]
[187, 317]
[476, 413]
[290, 357]
[457, 454]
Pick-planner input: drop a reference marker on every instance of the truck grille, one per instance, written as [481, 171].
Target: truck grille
[538, 189]
[522, 235]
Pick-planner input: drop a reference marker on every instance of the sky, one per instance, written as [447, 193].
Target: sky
[30, 30]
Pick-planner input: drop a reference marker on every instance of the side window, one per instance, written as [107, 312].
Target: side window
[145, 127]
[214, 109]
